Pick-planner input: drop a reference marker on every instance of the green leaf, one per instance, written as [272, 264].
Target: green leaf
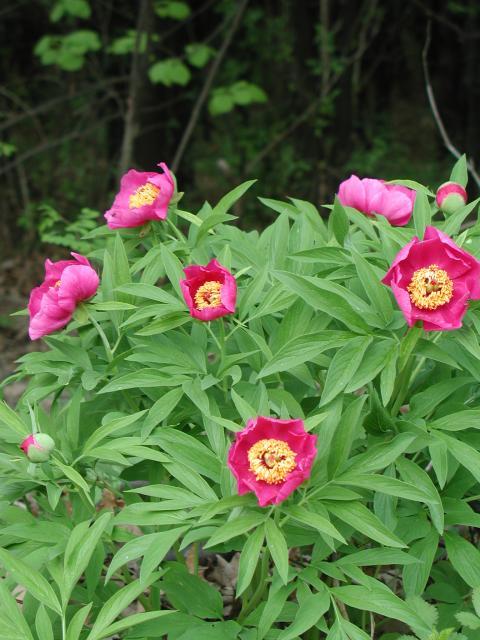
[466, 455]
[245, 410]
[31, 579]
[273, 607]
[345, 435]
[278, 548]
[377, 292]
[43, 624]
[169, 72]
[338, 222]
[311, 609]
[416, 476]
[314, 520]
[173, 268]
[343, 366]
[198, 54]
[244, 93]
[377, 556]
[80, 548]
[378, 598]
[376, 359]
[476, 600]
[133, 621]
[113, 306]
[360, 518]
[468, 620]
[385, 484]
[303, 349]
[189, 451]
[460, 171]
[114, 606]
[110, 427]
[160, 545]
[467, 419]
[249, 559]
[321, 295]
[143, 378]
[464, 557]
[412, 184]
[235, 527]
[174, 9]
[11, 610]
[425, 402]
[415, 577]
[421, 214]
[381, 455]
[191, 594]
[76, 623]
[12, 421]
[454, 222]
[161, 409]
[389, 375]
[75, 477]
[229, 199]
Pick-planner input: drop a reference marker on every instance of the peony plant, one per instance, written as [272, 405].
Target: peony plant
[234, 434]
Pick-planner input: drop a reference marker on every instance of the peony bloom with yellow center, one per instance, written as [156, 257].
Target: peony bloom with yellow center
[143, 196]
[432, 280]
[272, 457]
[210, 292]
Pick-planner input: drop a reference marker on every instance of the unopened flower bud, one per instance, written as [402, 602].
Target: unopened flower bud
[38, 447]
[451, 196]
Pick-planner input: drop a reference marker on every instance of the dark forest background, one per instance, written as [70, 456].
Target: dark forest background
[297, 93]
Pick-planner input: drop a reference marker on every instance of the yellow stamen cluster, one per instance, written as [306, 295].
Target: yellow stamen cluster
[430, 288]
[146, 194]
[208, 295]
[271, 460]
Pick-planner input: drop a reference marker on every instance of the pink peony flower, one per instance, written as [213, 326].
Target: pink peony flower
[370, 196]
[451, 196]
[38, 447]
[143, 196]
[210, 292]
[67, 282]
[272, 458]
[432, 280]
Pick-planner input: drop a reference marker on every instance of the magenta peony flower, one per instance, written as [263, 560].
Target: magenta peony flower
[38, 447]
[450, 197]
[370, 196]
[67, 282]
[432, 280]
[143, 196]
[272, 458]
[210, 292]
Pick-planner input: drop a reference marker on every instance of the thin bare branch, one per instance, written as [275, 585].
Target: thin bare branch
[435, 112]
[208, 84]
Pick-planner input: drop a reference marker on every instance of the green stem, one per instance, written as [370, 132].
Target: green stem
[215, 339]
[103, 337]
[403, 385]
[176, 231]
[249, 606]
[195, 550]
[405, 367]
[64, 626]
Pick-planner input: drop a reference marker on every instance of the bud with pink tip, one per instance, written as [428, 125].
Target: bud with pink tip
[38, 447]
[451, 196]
